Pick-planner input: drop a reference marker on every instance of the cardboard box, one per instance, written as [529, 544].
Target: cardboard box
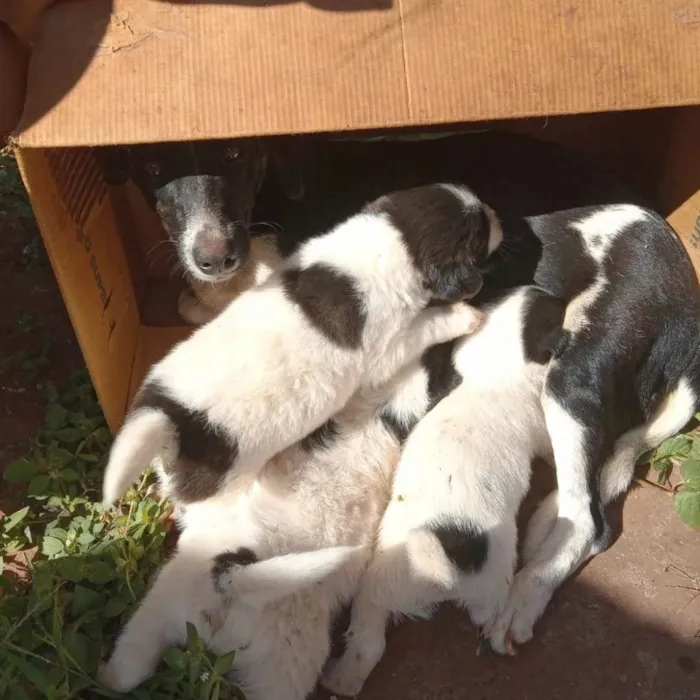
[128, 71]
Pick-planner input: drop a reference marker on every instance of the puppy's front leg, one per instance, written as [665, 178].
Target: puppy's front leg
[182, 589]
[434, 325]
[192, 309]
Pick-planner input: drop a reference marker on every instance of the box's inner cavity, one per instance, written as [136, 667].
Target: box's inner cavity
[635, 144]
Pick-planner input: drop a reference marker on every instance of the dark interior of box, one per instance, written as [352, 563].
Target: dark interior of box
[343, 173]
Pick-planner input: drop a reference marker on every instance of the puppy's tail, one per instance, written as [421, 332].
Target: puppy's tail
[616, 476]
[259, 583]
[146, 434]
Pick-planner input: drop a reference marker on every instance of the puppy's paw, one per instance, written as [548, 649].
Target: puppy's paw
[191, 309]
[470, 318]
[108, 678]
[344, 676]
[527, 601]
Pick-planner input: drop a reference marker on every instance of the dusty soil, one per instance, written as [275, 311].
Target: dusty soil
[36, 339]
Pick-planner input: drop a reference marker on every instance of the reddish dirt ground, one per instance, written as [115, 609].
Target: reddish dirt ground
[34, 322]
[626, 628]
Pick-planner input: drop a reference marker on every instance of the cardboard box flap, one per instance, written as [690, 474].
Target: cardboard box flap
[118, 71]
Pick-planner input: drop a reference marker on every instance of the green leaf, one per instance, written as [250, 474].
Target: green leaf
[39, 485]
[73, 569]
[77, 647]
[223, 663]
[674, 446]
[690, 471]
[84, 600]
[68, 436]
[15, 519]
[60, 457]
[687, 505]
[19, 471]
[51, 546]
[69, 474]
[695, 447]
[114, 607]
[193, 642]
[55, 417]
[176, 659]
[33, 674]
[101, 572]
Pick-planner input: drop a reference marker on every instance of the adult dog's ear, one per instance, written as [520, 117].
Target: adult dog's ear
[287, 163]
[453, 281]
[115, 163]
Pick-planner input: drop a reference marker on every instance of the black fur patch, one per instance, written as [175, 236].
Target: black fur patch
[324, 436]
[443, 378]
[224, 562]
[331, 302]
[206, 453]
[398, 428]
[465, 545]
[543, 335]
[446, 240]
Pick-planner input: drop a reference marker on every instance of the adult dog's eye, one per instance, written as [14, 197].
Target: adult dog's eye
[153, 169]
[232, 153]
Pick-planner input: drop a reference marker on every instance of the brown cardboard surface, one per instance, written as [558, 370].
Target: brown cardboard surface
[679, 187]
[150, 71]
[78, 227]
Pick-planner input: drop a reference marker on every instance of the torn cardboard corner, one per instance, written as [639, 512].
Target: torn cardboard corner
[210, 70]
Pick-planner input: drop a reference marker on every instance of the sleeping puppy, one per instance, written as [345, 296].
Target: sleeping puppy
[347, 311]
[236, 575]
[204, 193]
[449, 531]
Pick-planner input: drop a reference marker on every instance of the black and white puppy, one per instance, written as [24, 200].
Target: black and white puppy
[204, 193]
[346, 311]
[264, 567]
[449, 531]
[627, 379]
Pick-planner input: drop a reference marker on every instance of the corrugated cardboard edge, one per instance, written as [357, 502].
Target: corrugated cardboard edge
[223, 69]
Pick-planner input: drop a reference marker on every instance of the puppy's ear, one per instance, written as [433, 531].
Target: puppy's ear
[453, 281]
[286, 160]
[115, 163]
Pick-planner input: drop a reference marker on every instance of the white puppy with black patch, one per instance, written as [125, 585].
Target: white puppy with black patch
[449, 531]
[348, 310]
[236, 575]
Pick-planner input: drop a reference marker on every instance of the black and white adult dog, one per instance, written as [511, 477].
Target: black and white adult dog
[348, 310]
[627, 378]
[204, 193]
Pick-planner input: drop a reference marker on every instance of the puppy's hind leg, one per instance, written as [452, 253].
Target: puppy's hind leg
[580, 449]
[182, 589]
[366, 636]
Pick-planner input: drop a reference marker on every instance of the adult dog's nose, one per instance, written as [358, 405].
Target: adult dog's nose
[214, 254]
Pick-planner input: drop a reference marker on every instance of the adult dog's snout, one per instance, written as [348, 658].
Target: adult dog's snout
[215, 254]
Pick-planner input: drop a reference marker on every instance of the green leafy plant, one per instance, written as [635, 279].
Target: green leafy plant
[86, 568]
[682, 451]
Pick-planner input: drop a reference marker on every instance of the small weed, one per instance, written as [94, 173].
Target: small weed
[89, 569]
[12, 192]
[682, 451]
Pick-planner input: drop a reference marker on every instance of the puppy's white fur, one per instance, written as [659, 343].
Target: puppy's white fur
[466, 467]
[265, 376]
[332, 497]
